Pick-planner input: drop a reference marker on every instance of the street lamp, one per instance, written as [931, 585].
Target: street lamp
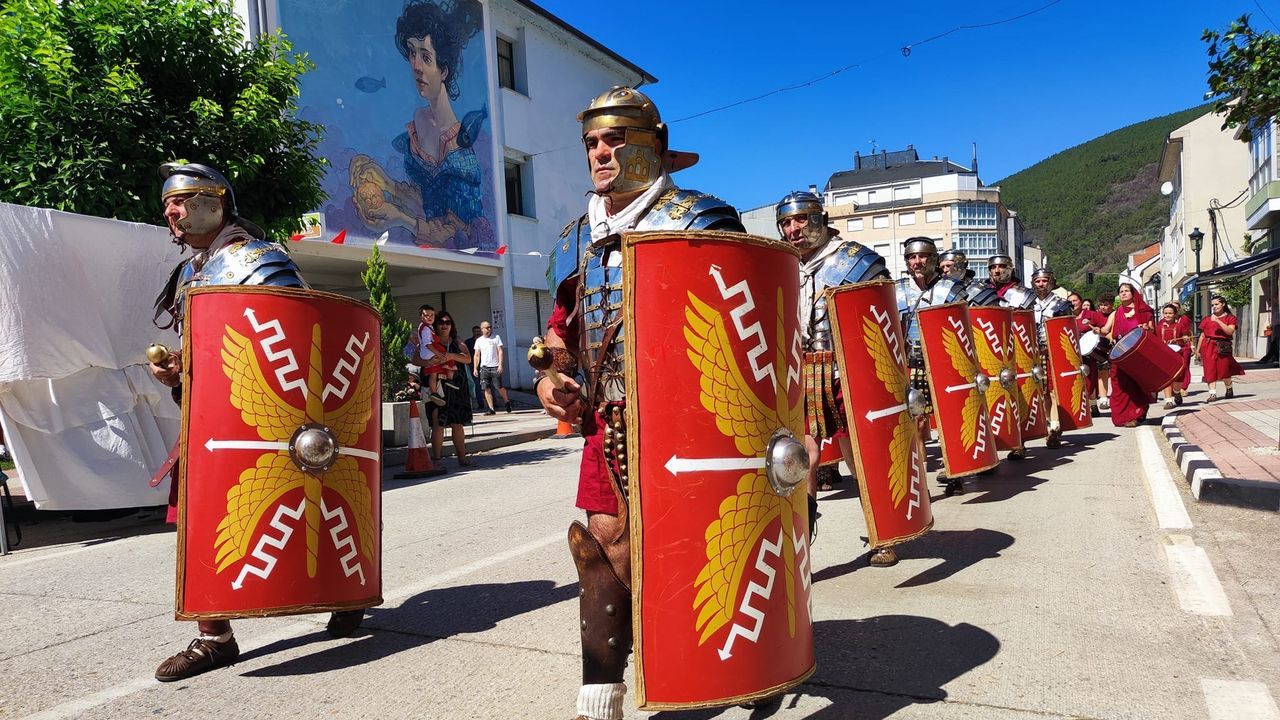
[1197, 242]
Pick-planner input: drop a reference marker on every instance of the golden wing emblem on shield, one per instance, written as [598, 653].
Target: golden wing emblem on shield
[1024, 359]
[745, 515]
[1073, 359]
[990, 364]
[895, 380]
[964, 364]
[274, 474]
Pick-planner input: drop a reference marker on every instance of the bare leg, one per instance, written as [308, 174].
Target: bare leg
[488, 397]
[437, 442]
[459, 435]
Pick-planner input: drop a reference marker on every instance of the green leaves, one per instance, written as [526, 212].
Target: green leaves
[96, 94]
[1244, 75]
[395, 330]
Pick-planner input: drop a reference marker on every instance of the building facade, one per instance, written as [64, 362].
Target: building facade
[1202, 171]
[890, 196]
[452, 144]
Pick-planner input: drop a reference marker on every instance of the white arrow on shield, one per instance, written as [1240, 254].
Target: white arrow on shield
[212, 445]
[873, 415]
[957, 388]
[677, 464]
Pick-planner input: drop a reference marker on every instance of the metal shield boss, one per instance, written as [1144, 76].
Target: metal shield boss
[872, 356]
[1032, 398]
[279, 507]
[992, 341]
[958, 387]
[1067, 373]
[719, 518]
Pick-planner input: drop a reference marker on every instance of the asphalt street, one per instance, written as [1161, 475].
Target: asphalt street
[1080, 583]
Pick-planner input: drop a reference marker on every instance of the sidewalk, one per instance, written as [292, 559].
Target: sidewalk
[1229, 450]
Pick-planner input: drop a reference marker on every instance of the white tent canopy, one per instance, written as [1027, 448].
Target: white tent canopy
[84, 420]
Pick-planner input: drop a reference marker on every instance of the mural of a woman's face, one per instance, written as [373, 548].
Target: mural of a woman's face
[426, 72]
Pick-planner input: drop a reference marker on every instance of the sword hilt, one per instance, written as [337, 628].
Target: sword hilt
[543, 360]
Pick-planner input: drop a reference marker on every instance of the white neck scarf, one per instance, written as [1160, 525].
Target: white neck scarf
[603, 225]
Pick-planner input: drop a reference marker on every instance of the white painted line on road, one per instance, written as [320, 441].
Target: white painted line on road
[1194, 581]
[13, 562]
[1171, 513]
[77, 707]
[1238, 700]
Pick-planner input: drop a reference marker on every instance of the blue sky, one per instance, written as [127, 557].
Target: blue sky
[1023, 90]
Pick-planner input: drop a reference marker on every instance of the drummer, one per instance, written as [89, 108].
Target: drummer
[1106, 302]
[1087, 320]
[1129, 402]
[1174, 330]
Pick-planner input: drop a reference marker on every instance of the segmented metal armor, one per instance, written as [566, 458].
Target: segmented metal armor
[241, 261]
[841, 262]
[910, 299]
[1049, 307]
[598, 266]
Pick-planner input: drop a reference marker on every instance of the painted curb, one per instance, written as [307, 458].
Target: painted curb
[1206, 480]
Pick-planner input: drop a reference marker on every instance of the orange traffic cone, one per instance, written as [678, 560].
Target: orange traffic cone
[417, 463]
[565, 430]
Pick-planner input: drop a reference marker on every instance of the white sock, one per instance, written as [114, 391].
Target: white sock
[219, 638]
[602, 702]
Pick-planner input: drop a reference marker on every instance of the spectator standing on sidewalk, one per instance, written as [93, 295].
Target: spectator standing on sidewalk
[456, 411]
[471, 378]
[1216, 354]
[488, 366]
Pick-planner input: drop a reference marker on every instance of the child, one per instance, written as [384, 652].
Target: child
[428, 354]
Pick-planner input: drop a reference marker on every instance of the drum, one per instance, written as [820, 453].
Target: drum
[1094, 347]
[1147, 361]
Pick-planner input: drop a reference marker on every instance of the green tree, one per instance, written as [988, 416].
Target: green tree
[1244, 74]
[395, 329]
[96, 94]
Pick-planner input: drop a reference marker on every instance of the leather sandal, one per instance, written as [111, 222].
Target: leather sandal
[200, 656]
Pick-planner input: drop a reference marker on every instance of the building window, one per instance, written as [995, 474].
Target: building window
[906, 218]
[978, 246]
[902, 192]
[973, 215]
[519, 188]
[1261, 148]
[506, 64]
[855, 224]
[880, 221]
[933, 216]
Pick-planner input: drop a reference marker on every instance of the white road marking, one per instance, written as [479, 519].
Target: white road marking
[1171, 514]
[1238, 700]
[77, 707]
[1194, 581]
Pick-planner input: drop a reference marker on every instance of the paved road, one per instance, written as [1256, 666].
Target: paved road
[1050, 592]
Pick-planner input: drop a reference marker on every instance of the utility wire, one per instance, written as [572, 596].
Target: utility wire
[1266, 14]
[905, 51]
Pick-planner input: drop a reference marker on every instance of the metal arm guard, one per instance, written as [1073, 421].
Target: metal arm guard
[604, 604]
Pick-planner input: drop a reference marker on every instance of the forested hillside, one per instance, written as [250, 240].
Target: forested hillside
[1092, 205]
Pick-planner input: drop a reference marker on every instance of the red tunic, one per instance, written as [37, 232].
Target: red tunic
[1086, 321]
[595, 486]
[1217, 366]
[1129, 402]
[1168, 332]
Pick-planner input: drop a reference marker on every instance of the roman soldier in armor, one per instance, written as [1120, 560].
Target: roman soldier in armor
[1047, 305]
[1002, 279]
[201, 212]
[629, 163]
[826, 260]
[955, 264]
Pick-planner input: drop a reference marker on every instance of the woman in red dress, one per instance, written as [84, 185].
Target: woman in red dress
[1216, 332]
[1174, 330]
[1129, 402]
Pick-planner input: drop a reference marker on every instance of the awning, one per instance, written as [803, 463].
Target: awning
[1244, 267]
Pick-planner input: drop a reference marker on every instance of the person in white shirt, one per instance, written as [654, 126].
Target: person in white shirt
[487, 365]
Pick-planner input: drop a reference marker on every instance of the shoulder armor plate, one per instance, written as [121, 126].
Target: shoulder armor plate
[852, 263]
[679, 209]
[564, 257]
[252, 262]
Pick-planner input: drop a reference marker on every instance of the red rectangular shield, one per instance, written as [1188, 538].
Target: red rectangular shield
[279, 507]
[1068, 376]
[991, 338]
[1032, 402]
[872, 357]
[951, 362]
[720, 560]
